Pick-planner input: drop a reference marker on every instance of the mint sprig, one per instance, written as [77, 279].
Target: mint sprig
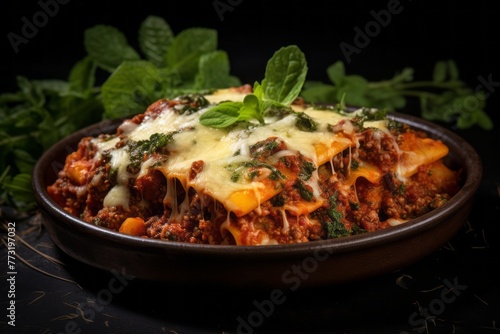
[283, 80]
[444, 98]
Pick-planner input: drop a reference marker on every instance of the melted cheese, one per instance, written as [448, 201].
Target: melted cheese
[221, 148]
[119, 195]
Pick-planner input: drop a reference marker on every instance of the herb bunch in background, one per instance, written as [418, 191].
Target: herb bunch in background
[42, 112]
[445, 98]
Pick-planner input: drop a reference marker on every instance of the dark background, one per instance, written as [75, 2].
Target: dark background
[421, 34]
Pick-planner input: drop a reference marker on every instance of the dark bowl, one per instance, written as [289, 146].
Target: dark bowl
[317, 263]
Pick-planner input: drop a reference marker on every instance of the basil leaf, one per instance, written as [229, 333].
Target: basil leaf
[108, 47]
[223, 115]
[155, 37]
[188, 46]
[285, 75]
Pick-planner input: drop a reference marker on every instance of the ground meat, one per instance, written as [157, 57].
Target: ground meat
[153, 187]
[378, 148]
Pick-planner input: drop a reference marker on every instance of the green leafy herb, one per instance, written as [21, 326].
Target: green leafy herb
[306, 170]
[334, 227]
[112, 80]
[155, 38]
[367, 114]
[445, 98]
[108, 47]
[238, 169]
[305, 123]
[284, 77]
[138, 149]
[186, 63]
[304, 192]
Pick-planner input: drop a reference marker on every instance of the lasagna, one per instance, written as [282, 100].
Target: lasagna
[308, 173]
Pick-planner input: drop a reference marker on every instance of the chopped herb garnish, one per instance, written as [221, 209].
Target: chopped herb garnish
[395, 126]
[367, 114]
[335, 229]
[333, 226]
[278, 200]
[190, 103]
[305, 123]
[305, 193]
[266, 148]
[354, 164]
[138, 149]
[354, 206]
[238, 168]
[306, 170]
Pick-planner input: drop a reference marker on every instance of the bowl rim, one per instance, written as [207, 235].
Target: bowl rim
[472, 167]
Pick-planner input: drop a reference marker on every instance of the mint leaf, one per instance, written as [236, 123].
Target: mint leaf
[336, 72]
[453, 70]
[285, 75]
[439, 74]
[258, 91]
[19, 186]
[214, 72]
[223, 115]
[315, 92]
[188, 46]
[82, 76]
[251, 109]
[441, 98]
[131, 89]
[155, 37]
[355, 89]
[108, 47]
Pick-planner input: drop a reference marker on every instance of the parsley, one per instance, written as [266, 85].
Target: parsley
[190, 103]
[335, 229]
[333, 226]
[141, 148]
[305, 122]
[237, 169]
[304, 192]
[306, 170]
[367, 114]
[284, 77]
